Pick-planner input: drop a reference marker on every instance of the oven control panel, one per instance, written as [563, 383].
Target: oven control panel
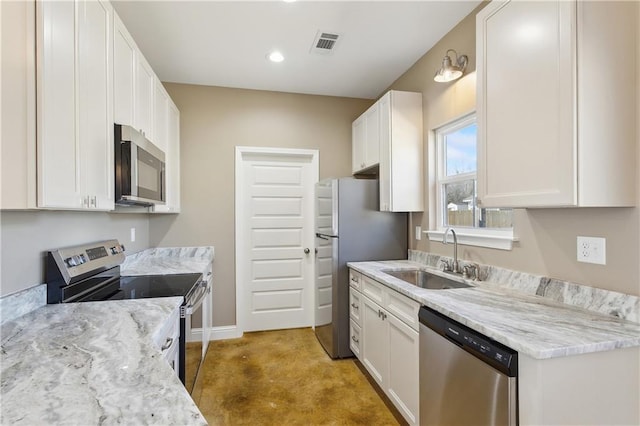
[75, 261]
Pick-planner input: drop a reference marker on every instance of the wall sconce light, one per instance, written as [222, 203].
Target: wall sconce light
[448, 71]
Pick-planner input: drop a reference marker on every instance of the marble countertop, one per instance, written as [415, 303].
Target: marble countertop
[168, 260]
[532, 325]
[92, 363]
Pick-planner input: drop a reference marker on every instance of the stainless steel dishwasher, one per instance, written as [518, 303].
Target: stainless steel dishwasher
[465, 377]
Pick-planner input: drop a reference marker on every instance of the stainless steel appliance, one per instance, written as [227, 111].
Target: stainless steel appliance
[139, 169]
[91, 272]
[349, 228]
[465, 378]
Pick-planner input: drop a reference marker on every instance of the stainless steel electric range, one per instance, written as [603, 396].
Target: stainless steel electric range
[91, 272]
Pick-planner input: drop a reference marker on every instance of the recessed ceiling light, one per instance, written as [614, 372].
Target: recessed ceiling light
[275, 56]
[288, 1]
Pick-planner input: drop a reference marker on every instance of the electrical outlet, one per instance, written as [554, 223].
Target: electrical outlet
[592, 250]
[418, 232]
[133, 234]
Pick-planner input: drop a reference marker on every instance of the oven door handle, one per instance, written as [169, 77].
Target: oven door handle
[203, 288]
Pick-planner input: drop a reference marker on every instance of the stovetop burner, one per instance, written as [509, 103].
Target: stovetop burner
[141, 287]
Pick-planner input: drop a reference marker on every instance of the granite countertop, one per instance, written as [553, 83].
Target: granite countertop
[92, 363]
[168, 260]
[532, 325]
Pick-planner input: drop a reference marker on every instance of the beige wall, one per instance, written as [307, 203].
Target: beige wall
[213, 122]
[547, 236]
[26, 236]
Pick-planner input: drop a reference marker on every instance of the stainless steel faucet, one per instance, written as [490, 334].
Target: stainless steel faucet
[454, 268]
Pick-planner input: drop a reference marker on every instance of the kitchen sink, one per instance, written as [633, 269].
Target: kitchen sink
[425, 279]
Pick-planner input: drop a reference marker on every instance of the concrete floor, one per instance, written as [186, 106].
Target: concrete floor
[284, 378]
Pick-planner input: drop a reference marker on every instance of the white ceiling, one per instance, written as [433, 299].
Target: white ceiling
[225, 43]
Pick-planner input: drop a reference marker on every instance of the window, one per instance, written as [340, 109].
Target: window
[456, 190]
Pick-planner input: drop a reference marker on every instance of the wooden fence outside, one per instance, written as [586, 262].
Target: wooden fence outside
[494, 218]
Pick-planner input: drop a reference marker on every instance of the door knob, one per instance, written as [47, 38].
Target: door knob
[306, 251]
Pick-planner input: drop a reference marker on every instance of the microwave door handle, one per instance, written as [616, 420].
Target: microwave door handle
[163, 175]
[134, 170]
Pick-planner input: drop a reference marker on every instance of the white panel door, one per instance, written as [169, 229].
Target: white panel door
[275, 238]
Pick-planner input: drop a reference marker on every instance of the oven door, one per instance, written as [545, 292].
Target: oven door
[193, 343]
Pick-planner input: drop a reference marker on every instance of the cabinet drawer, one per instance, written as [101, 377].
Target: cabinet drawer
[373, 290]
[354, 338]
[354, 305]
[403, 307]
[355, 279]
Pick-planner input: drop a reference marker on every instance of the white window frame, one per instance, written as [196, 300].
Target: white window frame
[482, 237]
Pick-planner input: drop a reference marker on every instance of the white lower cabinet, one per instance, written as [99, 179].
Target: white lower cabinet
[355, 316]
[388, 343]
[375, 348]
[403, 386]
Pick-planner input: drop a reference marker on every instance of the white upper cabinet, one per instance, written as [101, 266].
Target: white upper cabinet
[124, 73]
[172, 166]
[401, 152]
[555, 103]
[160, 115]
[389, 135]
[366, 140]
[144, 91]
[95, 102]
[75, 116]
[18, 105]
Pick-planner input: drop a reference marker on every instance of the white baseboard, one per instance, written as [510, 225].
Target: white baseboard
[216, 333]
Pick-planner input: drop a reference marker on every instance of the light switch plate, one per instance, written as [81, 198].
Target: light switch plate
[418, 232]
[133, 234]
[592, 250]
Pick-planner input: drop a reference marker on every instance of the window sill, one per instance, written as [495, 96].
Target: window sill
[497, 240]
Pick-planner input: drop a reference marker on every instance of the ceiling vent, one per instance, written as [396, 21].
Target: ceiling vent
[324, 43]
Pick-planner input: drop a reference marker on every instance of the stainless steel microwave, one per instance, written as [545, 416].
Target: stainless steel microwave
[139, 169]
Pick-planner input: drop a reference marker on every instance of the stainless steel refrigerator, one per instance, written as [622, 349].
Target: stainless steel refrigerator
[349, 228]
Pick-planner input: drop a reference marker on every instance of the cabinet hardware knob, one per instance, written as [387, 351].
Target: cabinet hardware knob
[354, 339]
[306, 251]
[354, 306]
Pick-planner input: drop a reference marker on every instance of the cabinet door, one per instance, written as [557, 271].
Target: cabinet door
[401, 152]
[172, 204]
[355, 302]
[403, 387]
[372, 144]
[95, 109]
[358, 134]
[58, 157]
[18, 105]
[124, 72]
[355, 339]
[145, 87]
[384, 176]
[160, 115]
[525, 104]
[375, 341]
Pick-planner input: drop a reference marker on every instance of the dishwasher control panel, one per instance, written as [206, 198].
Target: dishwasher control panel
[477, 344]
